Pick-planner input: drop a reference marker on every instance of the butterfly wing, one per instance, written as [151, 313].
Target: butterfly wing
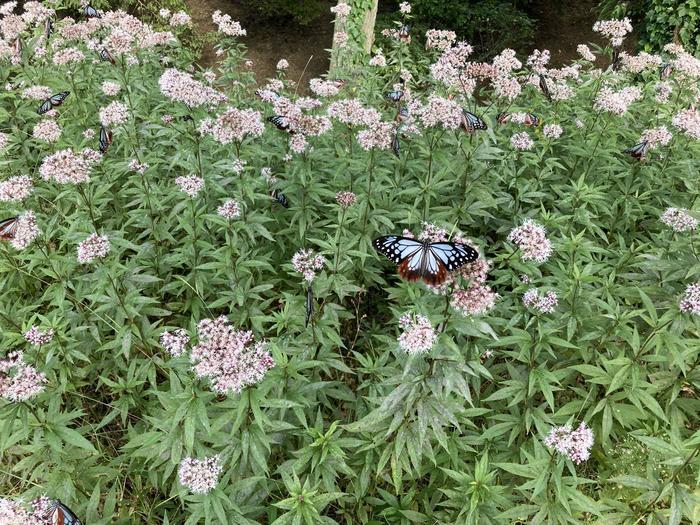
[8, 228]
[309, 304]
[502, 118]
[57, 99]
[280, 122]
[405, 252]
[45, 107]
[532, 120]
[279, 197]
[60, 514]
[638, 151]
[107, 56]
[666, 70]
[396, 145]
[48, 28]
[453, 255]
[470, 122]
[91, 12]
[394, 96]
[544, 87]
[105, 139]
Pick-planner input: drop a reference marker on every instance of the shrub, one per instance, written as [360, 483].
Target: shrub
[197, 327]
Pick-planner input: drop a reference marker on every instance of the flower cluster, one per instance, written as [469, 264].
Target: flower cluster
[324, 88]
[229, 358]
[282, 65]
[378, 60]
[688, 121]
[308, 263]
[226, 25]
[440, 111]
[585, 52]
[181, 87]
[532, 240]
[47, 130]
[341, 10]
[345, 199]
[18, 380]
[25, 231]
[190, 184]
[439, 39]
[94, 247]
[679, 220]
[15, 189]
[656, 136]
[200, 475]
[113, 114]
[522, 141]
[175, 342]
[229, 209]
[36, 337]
[65, 167]
[4, 139]
[552, 131]
[377, 136]
[13, 512]
[235, 125]
[180, 19]
[418, 335]
[614, 30]
[544, 304]
[616, 102]
[574, 444]
[37, 93]
[405, 8]
[110, 89]
[690, 302]
[476, 299]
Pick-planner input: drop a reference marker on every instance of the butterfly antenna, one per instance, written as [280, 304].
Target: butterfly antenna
[302, 74]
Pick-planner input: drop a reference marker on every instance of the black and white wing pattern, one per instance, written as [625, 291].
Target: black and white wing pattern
[638, 151]
[471, 123]
[8, 227]
[59, 514]
[423, 260]
[544, 87]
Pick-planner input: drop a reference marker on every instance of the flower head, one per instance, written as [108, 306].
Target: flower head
[94, 247]
[690, 302]
[616, 102]
[25, 231]
[574, 444]
[200, 475]
[405, 8]
[418, 334]
[18, 380]
[544, 304]
[282, 65]
[532, 240]
[175, 342]
[688, 121]
[679, 220]
[552, 131]
[585, 52]
[181, 87]
[190, 184]
[36, 337]
[229, 209]
[308, 263]
[522, 141]
[226, 25]
[113, 114]
[15, 189]
[47, 130]
[615, 30]
[345, 199]
[476, 299]
[110, 88]
[656, 136]
[235, 125]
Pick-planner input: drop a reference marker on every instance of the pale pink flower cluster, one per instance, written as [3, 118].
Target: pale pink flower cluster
[15, 189]
[505, 61]
[4, 139]
[282, 65]
[137, 167]
[663, 92]
[574, 444]
[226, 25]
[522, 141]
[92, 248]
[685, 64]
[439, 39]
[236, 124]
[13, 512]
[352, 112]
[688, 121]
[181, 87]
[229, 358]
[638, 63]
[200, 475]
[180, 19]
[229, 210]
[340, 38]
[585, 52]
[405, 8]
[679, 220]
[614, 30]
[552, 131]
[345, 199]
[47, 130]
[418, 335]
[25, 231]
[656, 136]
[506, 87]
[544, 304]
[114, 113]
[323, 88]
[341, 10]
[37, 93]
[69, 55]
[378, 60]
[110, 88]
[190, 184]
[175, 342]
[532, 240]
[377, 136]
[37, 337]
[440, 111]
[476, 299]
[616, 102]
[65, 167]
[560, 91]
[18, 380]
[89, 133]
[308, 263]
[690, 302]
[538, 60]
[238, 165]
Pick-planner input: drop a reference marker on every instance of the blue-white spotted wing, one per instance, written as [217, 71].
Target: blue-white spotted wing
[424, 260]
[471, 123]
[638, 151]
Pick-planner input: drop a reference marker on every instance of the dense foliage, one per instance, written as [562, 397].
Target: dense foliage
[197, 328]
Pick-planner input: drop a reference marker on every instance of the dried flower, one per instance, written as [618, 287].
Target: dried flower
[229, 209]
[36, 337]
[418, 335]
[94, 247]
[15, 189]
[690, 302]
[542, 303]
[175, 342]
[574, 444]
[190, 184]
[229, 358]
[200, 475]
[532, 240]
[345, 199]
[679, 220]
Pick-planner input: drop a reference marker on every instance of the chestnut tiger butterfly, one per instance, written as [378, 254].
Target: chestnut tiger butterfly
[59, 514]
[281, 123]
[8, 227]
[430, 261]
[544, 87]
[105, 139]
[52, 102]
[638, 151]
[279, 198]
[107, 56]
[471, 123]
[91, 12]
[395, 96]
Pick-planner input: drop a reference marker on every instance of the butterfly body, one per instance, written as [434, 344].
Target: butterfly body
[48, 28]
[430, 261]
[52, 102]
[105, 139]
[471, 123]
[666, 70]
[59, 514]
[638, 151]
[8, 228]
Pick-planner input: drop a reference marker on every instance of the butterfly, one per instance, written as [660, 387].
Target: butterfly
[48, 28]
[18, 46]
[62, 515]
[404, 34]
[396, 145]
[544, 87]
[616, 62]
[666, 70]
[470, 122]
[52, 102]
[427, 260]
[281, 123]
[105, 139]
[309, 305]
[402, 114]
[502, 117]
[395, 96]
[638, 151]
[107, 56]
[279, 197]
[8, 227]
[91, 12]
